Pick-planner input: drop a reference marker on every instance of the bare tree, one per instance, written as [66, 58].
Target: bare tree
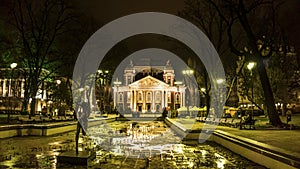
[202, 14]
[39, 25]
[258, 20]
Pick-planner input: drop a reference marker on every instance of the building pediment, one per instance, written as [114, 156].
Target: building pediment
[148, 82]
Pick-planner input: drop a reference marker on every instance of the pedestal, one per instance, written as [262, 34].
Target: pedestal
[81, 158]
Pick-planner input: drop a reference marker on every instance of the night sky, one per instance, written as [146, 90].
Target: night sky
[103, 12]
[106, 11]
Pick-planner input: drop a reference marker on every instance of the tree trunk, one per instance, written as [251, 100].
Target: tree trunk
[258, 57]
[207, 97]
[32, 107]
[77, 136]
[24, 105]
[268, 94]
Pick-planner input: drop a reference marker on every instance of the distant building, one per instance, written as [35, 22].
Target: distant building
[148, 89]
[12, 91]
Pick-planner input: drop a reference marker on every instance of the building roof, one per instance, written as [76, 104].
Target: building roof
[147, 82]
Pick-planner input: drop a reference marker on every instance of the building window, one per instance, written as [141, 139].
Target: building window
[149, 97]
[140, 96]
[158, 96]
[177, 98]
[169, 80]
[128, 80]
[1, 87]
[128, 97]
[169, 97]
[120, 97]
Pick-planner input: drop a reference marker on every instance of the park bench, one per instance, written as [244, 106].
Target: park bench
[24, 119]
[57, 118]
[36, 119]
[209, 120]
[69, 118]
[222, 121]
[46, 119]
[216, 120]
[200, 119]
[233, 123]
[250, 123]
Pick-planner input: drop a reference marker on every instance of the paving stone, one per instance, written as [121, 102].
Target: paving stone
[165, 148]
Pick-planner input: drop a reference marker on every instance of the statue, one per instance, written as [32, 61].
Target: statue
[168, 63]
[83, 112]
[131, 63]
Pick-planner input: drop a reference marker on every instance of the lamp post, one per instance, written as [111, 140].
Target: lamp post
[203, 90]
[117, 83]
[12, 66]
[188, 73]
[219, 82]
[58, 82]
[178, 103]
[250, 66]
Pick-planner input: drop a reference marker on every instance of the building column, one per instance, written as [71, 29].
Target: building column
[4, 88]
[134, 100]
[183, 98]
[115, 97]
[166, 98]
[130, 102]
[144, 107]
[153, 101]
[9, 88]
[162, 99]
[22, 88]
[1, 89]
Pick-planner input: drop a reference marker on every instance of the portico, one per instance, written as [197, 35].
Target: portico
[149, 94]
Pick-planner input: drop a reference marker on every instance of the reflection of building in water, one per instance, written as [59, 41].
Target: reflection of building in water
[148, 89]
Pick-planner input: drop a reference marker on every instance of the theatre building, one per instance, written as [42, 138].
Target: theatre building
[148, 89]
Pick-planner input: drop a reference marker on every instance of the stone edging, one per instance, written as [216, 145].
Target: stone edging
[260, 148]
[255, 147]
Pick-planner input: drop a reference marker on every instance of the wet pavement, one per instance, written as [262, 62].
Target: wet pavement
[284, 139]
[120, 145]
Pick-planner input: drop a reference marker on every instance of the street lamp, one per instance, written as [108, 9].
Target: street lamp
[219, 82]
[188, 72]
[58, 82]
[117, 83]
[12, 66]
[250, 66]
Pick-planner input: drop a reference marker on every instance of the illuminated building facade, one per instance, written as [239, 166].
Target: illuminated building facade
[12, 92]
[148, 89]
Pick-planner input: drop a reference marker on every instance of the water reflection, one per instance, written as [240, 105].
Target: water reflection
[151, 144]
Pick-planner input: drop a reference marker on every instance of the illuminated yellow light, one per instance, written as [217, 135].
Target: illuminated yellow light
[219, 81]
[13, 65]
[250, 65]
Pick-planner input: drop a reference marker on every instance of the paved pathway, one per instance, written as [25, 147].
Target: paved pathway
[41, 152]
[287, 140]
